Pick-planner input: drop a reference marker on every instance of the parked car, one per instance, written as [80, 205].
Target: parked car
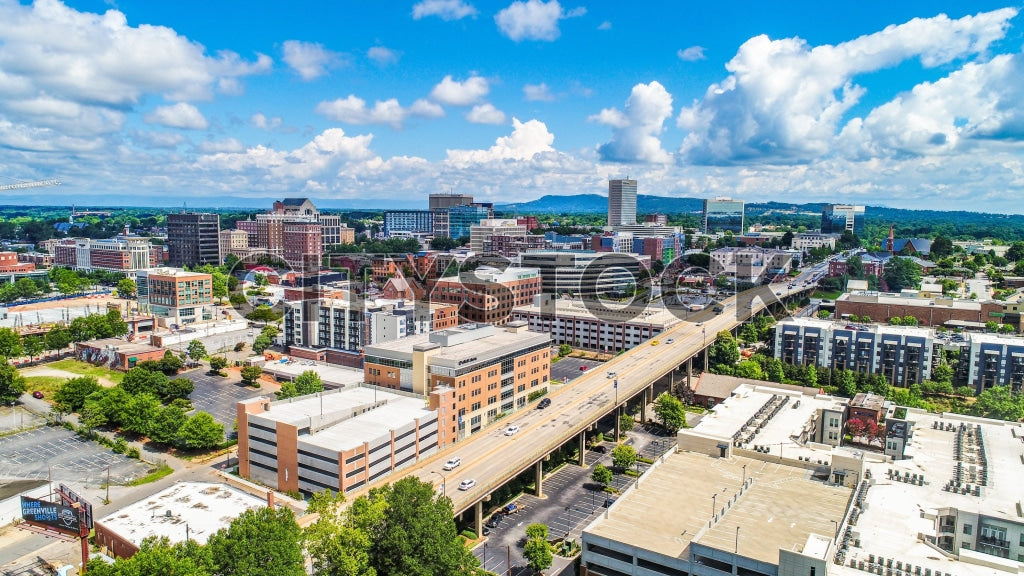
[544, 403]
[510, 509]
[467, 484]
[583, 368]
[37, 394]
[453, 463]
[495, 520]
[599, 448]
[511, 430]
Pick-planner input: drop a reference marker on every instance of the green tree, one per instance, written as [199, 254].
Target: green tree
[218, 363]
[749, 369]
[626, 422]
[33, 346]
[910, 320]
[12, 384]
[943, 373]
[170, 364]
[901, 273]
[774, 371]
[444, 243]
[158, 556]
[564, 350]
[250, 374]
[335, 547]
[58, 338]
[941, 247]
[263, 313]
[126, 288]
[10, 343]
[261, 343]
[810, 377]
[287, 390]
[824, 314]
[71, 395]
[670, 412]
[139, 380]
[167, 424]
[237, 299]
[896, 321]
[999, 403]
[308, 383]
[601, 474]
[177, 388]
[623, 456]
[116, 326]
[200, 432]
[26, 288]
[196, 350]
[846, 383]
[260, 542]
[724, 351]
[537, 551]
[412, 532]
[140, 413]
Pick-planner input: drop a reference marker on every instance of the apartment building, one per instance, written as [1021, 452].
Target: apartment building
[750, 264]
[808, 241]
[994, 360]
[492, 370]
[303, 245]
[486, 294]
[336, 440]
[234, 242]
[174, 296]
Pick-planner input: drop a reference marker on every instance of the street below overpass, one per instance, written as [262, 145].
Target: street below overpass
[491, 458]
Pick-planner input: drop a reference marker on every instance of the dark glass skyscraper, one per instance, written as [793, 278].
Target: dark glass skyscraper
[723, 215]
[193, 239]
[837, 218]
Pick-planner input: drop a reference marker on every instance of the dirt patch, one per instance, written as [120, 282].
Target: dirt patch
[84, 301]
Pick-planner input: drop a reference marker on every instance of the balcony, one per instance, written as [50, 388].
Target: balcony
[994, 541]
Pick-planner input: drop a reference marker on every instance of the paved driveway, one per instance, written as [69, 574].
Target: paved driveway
[220, 395]
[35, 453]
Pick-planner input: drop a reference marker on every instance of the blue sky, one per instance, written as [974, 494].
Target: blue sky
[229, 103]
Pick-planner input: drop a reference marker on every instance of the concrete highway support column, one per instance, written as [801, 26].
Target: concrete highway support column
[645, 400]
[689, 371]
[583, 448]
[538, 479]
[478, 518]
[618, 433]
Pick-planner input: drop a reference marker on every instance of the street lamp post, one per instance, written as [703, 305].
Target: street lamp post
[744, 474]
[836, 536]
[714, 504]
[443, 480]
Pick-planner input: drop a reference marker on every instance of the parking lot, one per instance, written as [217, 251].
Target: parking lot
[220, 395]
[570, 367]
[571, 501]
[35, 453]
[17, 417]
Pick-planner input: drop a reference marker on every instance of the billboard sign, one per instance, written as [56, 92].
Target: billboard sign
[69, 497]
[51, 515]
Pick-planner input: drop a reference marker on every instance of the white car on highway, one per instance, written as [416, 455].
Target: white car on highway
[467, 484]
[511, 430]
[453, 463]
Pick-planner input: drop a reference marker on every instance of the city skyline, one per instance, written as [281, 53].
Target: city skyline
[913, 106]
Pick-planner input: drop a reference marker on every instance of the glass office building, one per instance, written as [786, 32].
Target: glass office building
[837, 218]
[723, 215]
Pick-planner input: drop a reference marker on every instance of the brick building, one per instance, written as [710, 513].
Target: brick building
[491, 370]
[488, 295]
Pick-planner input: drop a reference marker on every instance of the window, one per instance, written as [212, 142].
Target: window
[967, 529]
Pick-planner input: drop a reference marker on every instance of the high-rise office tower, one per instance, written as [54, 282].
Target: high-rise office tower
[723, 214]
[837, 218]
[193, 239]
[621, 202]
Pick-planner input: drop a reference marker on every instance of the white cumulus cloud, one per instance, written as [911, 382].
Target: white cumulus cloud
[310, 60]
[784, 99]
[353, 110]
[382, 56]
[443, 9]
[454, 93]
[691, 54]
[534, 19]
[526, 141]
[260, 120]
[485, 114]
[606, 25]
[180, 115]
[636, 131]
[538, 93]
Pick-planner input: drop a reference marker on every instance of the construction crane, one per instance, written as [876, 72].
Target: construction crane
[34, 184]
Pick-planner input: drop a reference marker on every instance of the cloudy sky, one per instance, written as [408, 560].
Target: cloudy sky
[229, 103]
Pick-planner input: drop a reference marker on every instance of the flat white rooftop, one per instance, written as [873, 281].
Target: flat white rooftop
[204, 507]
[332, 375]
[396, 411]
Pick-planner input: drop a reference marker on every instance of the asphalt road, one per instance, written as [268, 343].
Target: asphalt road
[491, 458]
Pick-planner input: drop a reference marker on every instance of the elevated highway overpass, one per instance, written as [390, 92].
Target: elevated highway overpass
[493, 459]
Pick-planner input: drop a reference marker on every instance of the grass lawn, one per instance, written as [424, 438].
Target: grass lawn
[86, 369]
[46, 384]
[826, 295]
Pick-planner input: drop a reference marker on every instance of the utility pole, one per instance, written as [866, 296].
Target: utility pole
[108, 484]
